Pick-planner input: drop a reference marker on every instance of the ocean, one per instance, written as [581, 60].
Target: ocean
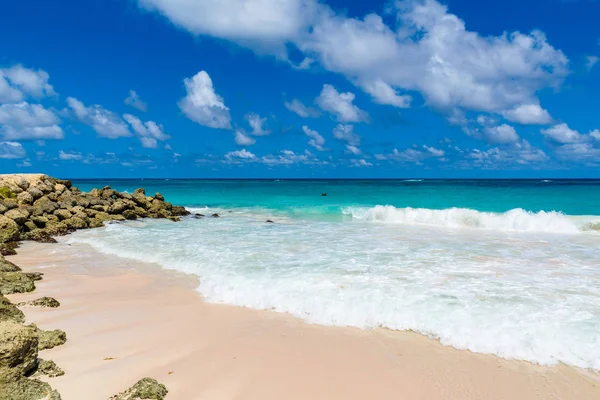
[504, 267]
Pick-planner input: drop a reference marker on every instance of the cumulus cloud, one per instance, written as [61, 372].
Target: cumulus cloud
[340, 105]
[427, 50]
[240, 155]
[18, 82]
[360, 163]
[202, 104]
[520, 153]
[149, 132]
[500, 134]
[256, 123]
[415, 155]
[346, 133]
[288, 157]
[12, 150]
[299, 108]
[69, 156]
[528, 114]
[134, 101]
[316, 140]
[561, 133]
[242, 139]
[104, 122]
[25, 121]
[352, 149]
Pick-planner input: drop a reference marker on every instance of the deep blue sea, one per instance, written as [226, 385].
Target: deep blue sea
[507, 267]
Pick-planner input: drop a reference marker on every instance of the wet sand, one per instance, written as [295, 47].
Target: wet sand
[126, 320]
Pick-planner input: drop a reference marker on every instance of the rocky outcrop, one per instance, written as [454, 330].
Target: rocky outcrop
[45, 302]
[39, 207]
[146, 388]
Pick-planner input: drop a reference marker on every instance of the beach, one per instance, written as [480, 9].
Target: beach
[126, 320]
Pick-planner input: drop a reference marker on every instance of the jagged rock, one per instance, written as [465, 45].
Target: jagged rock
[7, 266]
[9, 249]
[35, 193]
[48, 302]
[53, 196]
[39, 235]
[139, 196]
[29, 226]
[174, 219]
[16, 282]
[9, 230]
[95, 223]
[179, 211]
[49, 339]
[3, 208]
[99, 207]
[76, 223]
[159, 197]
[48, 368]
[10, 312]
[45, 187]
[40, 221]
[215, 215]
[82, 201]
[146, 388]
[18, 347]
[63, 214]
[46, 205]
[130, 214]
[117, 207]
[140, 212]
[25, 198]
[59, 188]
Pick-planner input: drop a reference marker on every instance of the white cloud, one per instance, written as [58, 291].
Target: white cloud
[297, 107]
[256, 123]
[520, 153]
[434, 152]
[104, 122]
[353, 149]
[561, 133]
[346, 133]
[149, 132]
[591, 61]
[202, 104]
[500, 134]
[12, 150]
[18, 82]
[241, 139]
[70, 156]
[427, 49]
[528, 114]
[316, 140]
[579, 152]
[414, 155]
[288, 157]
[340, 105]
[24, 121]
[240, 155]
[134, 101]
[264, 25]
[361, 163]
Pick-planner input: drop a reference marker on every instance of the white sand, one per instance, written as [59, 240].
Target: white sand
[153, 323]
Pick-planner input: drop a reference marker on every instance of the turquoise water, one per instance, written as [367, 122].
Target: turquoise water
[572, 197]
[510, 268]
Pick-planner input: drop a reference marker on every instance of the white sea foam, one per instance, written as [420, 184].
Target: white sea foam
[527, 295]
[516, 220]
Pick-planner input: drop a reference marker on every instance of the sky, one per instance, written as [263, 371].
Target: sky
[300, 88]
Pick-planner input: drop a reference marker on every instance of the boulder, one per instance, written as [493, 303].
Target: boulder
[117, 208]
[130, 214]
[179, 211]
[46, 205]
[29, 226]
[18, 347]
[76, 223]
[10, 312]
[53, 196]
[17, 215]
[48, 368]
[9, 230]
[108, 193]
[59, 188]
[7, 193]
[3, 208]
[159, 197]
[50, 339]
[39, 235]
[25, 198]
[45, 187]
[9, 249]
[146, 388]
[16, 282]
[63, 214]
[7, 266]
[35, 193]
[40, 221]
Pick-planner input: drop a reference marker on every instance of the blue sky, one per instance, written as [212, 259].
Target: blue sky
[300, 88]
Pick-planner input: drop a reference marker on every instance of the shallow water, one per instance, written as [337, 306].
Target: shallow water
[511, 269]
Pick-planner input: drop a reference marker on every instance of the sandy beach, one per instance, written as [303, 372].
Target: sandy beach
[126, 320]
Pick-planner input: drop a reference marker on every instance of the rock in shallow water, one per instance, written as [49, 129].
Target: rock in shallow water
[48, 302]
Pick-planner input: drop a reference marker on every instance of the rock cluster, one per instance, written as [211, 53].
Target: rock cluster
[39, 207]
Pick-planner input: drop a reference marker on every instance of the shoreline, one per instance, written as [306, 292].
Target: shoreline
[127, 320]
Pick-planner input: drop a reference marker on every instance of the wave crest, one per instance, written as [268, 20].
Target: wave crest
[516, 220]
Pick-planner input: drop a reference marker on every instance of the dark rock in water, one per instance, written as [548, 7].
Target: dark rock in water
[48, 368]
[179, 211]
[198, 216]
[42, 302]
[174, 219]
[146, 388]
[324, 194]
[215, 215]
[270, 222]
